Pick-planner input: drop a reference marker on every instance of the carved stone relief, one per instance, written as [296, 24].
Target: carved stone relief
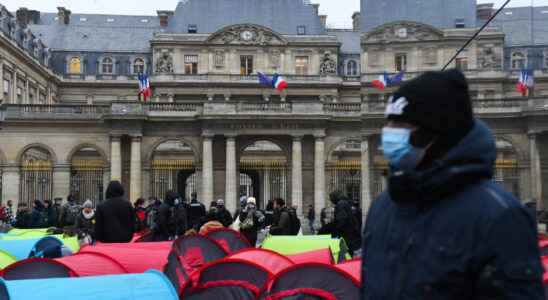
[165, 62]
[219, 58]
[488, 58]
[403, 31]
[328, 65]
[275, 58]
[246, 34]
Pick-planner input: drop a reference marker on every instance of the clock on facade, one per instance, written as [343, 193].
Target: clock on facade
[246, 35]
[401, 32]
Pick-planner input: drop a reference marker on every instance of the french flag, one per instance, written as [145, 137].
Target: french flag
[525, 82]
[385, 80]
[277, 82]
[144, 87]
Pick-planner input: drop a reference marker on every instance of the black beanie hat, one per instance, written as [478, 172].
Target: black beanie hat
[438, 102]
[114, 189]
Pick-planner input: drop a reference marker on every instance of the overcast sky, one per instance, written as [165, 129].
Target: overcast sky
[339, 11]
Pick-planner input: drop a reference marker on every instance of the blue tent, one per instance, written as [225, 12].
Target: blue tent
[48, 246]
[149, 285]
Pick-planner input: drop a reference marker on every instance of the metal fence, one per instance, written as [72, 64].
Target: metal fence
[36, 181]
[86, 180]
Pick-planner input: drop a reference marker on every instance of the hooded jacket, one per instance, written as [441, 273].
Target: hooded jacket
[114, 218]
[452, 233]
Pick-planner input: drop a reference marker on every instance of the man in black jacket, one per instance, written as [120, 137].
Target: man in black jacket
[196, 213]
[165, 219]
[345, 225]
[114, 218]
[444, 229]
[223, 215]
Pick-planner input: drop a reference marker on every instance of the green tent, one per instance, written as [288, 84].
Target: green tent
[6, 259]
[288, 245]
[16, 231]
[22, 234]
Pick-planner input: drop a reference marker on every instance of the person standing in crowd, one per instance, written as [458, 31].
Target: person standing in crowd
[243, 203]
[58, 208]
[345, 225]
[51, 214]
[140, 215]
[38, 215]
[251, 220]
[8, 213]
[281, 223]
[69, 212]
[3, 218]
[223, 215]
[23, 217]
[444, 229]
[196, 213]
[85, 223]
[311, 218]
[152, 212]
[181, 216]
[269, 213]
[165, 219]
[114, 218]
[327, 220]
[357, 213]
[211, 221]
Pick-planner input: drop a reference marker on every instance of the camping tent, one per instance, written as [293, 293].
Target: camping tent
[288, 245]
[36, 268]
[150, 285]
[319, 256]
[148, 246]
[6, 259]
[227, 279]
[23, 248]
[231, 240]
[270, 260]
[317, 281]
[68, 241]
[352, 267]
[134, 260]
[92, 264]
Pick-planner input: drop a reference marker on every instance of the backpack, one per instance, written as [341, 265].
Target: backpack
[248, 223]
[71, 214]
[294, 222]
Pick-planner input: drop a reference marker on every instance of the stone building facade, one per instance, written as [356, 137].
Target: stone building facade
[72, 120]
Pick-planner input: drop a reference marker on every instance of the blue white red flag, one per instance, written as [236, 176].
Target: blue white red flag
[385, 80]
[144, 87]
[277, 82]
[525, 82]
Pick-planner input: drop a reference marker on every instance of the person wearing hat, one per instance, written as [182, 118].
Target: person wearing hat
[85, 222]
[251, 220]
[114, 218]
[223, 215]
[444, 229]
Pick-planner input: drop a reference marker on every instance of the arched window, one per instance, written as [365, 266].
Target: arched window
[351, 68]
[518, 60]
[107, 66]
[506, 168]
[75, 65]
[139, 66]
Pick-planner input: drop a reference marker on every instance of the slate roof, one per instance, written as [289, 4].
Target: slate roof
[103, 33]
[282, 16]
[349, 39]
[516, 23]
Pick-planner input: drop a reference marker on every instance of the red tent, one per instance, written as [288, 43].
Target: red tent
[147, 246]
[134, 260]
[313, 281]
[323, 256]
[353, 268]
[92, 264]
[227, 279]
[270, 260]
[231, 240]
[36, 268]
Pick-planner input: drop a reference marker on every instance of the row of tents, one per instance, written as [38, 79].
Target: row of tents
[218, 264]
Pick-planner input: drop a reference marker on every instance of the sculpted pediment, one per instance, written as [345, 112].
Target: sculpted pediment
[402, 32]
[246, 34]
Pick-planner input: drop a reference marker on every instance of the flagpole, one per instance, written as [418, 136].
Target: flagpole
[475, 35]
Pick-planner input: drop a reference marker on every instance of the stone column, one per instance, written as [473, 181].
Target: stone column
[266, 186]
[231, 194]
[2, 80]
[366, 175]
[297, 174]
[207, 169]
[536, 172]
[115, 158]
[319, 174]
[14, 89]
[61, 181]
[10, 184]
[135, 184]
[27, 92]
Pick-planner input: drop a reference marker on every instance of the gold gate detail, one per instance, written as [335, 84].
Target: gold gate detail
[165, 173]
[36, 181]
[345, 176]
[86, 180]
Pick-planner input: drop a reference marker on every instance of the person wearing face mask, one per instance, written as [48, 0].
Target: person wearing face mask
[444, 229]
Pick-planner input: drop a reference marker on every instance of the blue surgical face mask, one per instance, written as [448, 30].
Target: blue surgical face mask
[398, 150]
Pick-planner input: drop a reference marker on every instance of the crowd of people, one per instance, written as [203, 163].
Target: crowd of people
[116, 220]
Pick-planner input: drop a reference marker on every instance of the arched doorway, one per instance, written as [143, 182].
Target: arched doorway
[173, 168]
[86, 175]
[344, 169]
[264, 172]
[506, 167]
[36, 175]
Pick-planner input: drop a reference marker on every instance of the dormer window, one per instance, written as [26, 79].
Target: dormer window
[107, 66]
[301, 30]
[75, 65]
[83, 19]
[192, 28]
[139, 66]
[518, 60]
[110, 20]
[459, 23]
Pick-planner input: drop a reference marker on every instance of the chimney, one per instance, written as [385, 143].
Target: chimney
[63, 16]
[316, 8]
[323, 20]
[22, 17]
[164, 15]
[34, 17]
[356, 20]
[485, 11]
